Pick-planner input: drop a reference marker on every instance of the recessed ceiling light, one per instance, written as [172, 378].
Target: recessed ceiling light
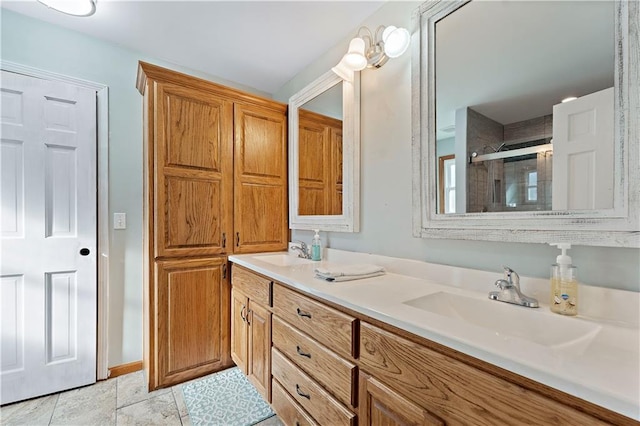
[569, 99]
[72, 7]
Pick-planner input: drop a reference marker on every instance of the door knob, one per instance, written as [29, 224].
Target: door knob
[84, 251]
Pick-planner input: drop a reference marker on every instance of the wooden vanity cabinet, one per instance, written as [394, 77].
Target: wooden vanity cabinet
[332, 366]
[215, 170]
[251, 328]
[443, 390]
[313, 358]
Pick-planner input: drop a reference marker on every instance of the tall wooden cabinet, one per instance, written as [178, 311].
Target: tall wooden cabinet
[214, 184]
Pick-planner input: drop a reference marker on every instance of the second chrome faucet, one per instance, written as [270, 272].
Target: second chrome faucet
[510, 290]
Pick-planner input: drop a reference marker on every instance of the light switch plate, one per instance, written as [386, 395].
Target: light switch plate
[119, 221]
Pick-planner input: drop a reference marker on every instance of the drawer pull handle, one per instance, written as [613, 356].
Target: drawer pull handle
[243, 313]
[308, 355]
[302, 394]
[303, 313]
[249, 312]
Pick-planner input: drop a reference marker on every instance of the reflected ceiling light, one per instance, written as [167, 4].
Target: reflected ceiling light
[72, 7]
[569, 99]
[369, 51]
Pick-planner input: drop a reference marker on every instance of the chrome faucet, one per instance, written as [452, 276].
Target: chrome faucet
[510, 290]
[302, 249]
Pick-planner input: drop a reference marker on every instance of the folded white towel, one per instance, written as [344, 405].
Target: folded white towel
[348, 272]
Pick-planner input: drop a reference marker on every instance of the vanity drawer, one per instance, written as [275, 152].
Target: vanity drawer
[330, 370]
[287, 409]
[327, 325]
[324, 408]
[257, 288]
[455, 391]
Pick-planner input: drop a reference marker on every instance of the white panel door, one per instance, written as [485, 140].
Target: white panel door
[48, 273]
[583, 153]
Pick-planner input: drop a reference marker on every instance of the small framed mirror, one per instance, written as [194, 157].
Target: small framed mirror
[501, 153]
[324, 154]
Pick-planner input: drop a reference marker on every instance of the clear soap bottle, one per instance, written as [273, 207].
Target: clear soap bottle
[316, 247]
[564, 283]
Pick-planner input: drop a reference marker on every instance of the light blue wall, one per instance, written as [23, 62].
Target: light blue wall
[386, 182]
[41, 45]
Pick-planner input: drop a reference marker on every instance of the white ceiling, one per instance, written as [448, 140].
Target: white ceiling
[513, 61]
[260, 44]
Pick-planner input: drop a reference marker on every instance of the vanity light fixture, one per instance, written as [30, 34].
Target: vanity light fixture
[369, 51]
[72, 7]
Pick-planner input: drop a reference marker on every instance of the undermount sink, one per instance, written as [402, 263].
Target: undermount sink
[506, 320]
[283, 259]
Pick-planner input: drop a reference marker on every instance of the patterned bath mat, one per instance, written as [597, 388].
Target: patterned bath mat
[226, 398]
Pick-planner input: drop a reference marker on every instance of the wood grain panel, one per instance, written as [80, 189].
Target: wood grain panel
[327, 325]
[336, 171]
[256, 287]
[259, 366]
[338, 376]
[319, 164]
[260, 185]
[311, 201]
[381, 406]
[312, 397]
[193, 172]
[260, 142]
[313, 146]
[259, 223]
[288, 410]
[192, 207]
[193, 319]
[454, 391]
[239, 329]
[194, 129]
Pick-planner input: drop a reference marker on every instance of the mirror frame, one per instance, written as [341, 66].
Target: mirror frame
[617, 227]
[349, 220]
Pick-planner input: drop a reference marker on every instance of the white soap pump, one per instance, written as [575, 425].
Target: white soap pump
[564, 283]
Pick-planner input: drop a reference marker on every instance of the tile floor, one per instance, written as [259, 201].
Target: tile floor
[122, 400]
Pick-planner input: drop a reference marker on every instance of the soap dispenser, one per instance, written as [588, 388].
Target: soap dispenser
[564, 283]
[316, 247]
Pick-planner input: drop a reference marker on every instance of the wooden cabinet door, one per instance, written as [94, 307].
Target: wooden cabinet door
[239, 329]
[381, 406]
[260, 185]
[193, 172]
[314, 171]
[192, 319]
[336, 171]
[259, 365]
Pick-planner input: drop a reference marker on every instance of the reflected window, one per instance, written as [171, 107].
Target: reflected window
[448, 184]
[532, 187]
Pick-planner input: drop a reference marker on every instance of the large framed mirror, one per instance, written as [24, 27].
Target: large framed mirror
[526, 121]
[324, 154]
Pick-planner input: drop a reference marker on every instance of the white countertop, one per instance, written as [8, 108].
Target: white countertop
[603, 368]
